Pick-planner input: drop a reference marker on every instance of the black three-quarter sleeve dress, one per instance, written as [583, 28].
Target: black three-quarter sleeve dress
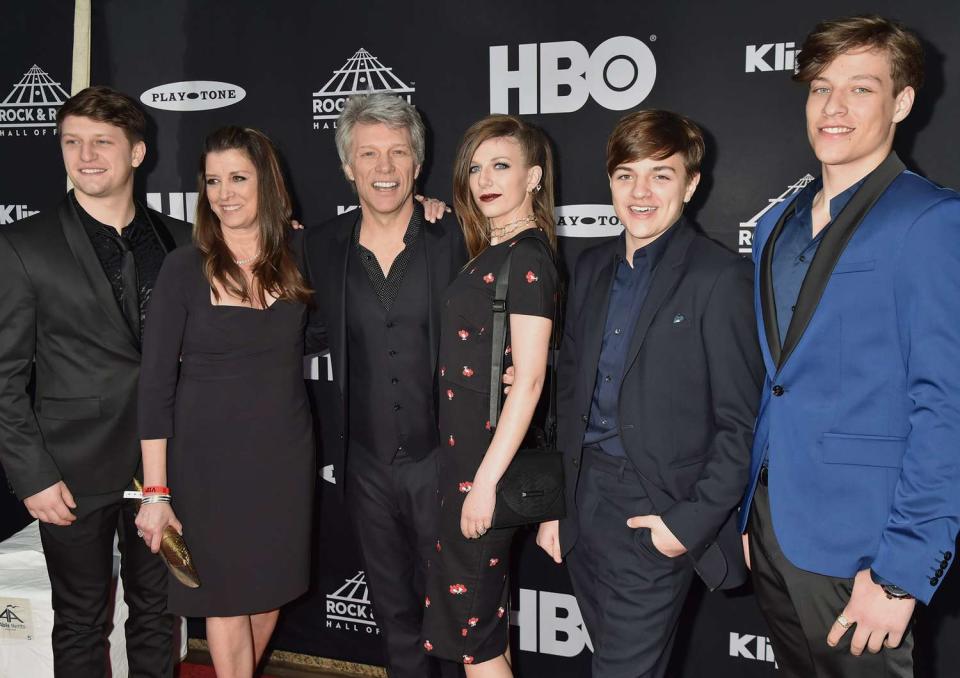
[224, 385]
[465, 616]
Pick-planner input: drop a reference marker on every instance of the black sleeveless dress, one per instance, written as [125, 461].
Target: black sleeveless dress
[466, 618]
[225, 385]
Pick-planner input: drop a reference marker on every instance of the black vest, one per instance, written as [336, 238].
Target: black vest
[390, 384]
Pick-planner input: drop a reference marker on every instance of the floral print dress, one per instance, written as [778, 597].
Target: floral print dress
[466, 615]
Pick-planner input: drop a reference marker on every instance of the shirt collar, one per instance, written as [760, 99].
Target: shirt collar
[95, 227]
[805, 199]
[651, 252]
[413, 226]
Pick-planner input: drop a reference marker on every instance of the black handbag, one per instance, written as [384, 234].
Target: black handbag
[532, 488]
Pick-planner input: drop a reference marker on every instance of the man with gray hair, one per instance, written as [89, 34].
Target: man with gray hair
[379, 274]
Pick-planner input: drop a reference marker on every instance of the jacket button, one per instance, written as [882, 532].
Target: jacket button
[340, 436]
[944, 563]
[576, 462]
[947, 555]
[939, 573]
[934, 581]
[583, 418]
[396, 407]
[778, 390]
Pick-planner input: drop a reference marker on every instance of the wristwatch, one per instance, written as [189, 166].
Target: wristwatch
[893, 592]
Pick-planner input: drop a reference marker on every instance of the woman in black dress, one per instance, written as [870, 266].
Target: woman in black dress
[223, 406]
[503, 194]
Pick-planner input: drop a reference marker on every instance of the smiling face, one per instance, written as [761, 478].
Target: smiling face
[648, 197]
[231, 184]
[382, 166]
[852, 112]
[98, 156]
[500, 181]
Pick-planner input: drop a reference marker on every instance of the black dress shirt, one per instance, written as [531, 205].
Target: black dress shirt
[387, 286]
[796, 247]
[627, 294]
[141, 239]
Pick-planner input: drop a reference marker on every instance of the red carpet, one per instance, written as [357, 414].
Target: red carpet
[202, 671]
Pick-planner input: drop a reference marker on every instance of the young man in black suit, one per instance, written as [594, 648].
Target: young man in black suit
[659, 379]
[379, 274]
[76, 282]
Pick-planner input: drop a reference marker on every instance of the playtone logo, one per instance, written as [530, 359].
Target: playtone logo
[363, 73]
[349, 608]
[30, 109]
[559, 77]
[550, 623]
[747, 228]
[11, 213]
[587, 221]
[783, 53]
[193, 95]
[747, 646]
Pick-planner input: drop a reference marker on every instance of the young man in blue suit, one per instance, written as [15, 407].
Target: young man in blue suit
[852, 511]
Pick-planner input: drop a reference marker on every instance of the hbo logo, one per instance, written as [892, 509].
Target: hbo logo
[618, 75]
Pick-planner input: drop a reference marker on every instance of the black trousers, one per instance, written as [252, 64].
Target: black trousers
[801, 606]
[80, 564]
[394, 512]
[630, 594]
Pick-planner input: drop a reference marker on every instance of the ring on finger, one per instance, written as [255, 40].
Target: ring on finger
[844, 622]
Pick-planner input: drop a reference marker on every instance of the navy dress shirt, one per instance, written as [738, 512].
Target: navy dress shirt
[627, 294]
[795, 248]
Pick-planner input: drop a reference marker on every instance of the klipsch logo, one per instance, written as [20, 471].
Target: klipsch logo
[363, 73]
[11, 213]
[31, 107]
[349, 608]
[550, 623]
[177, 205]
[193, 95]
[747, 228]
[587, 221]
[559, 77]
[747, 646]
[772, 56]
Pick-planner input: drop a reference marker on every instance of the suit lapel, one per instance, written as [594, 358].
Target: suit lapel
[665, 279]
[436, 251]
[86, 257]
[834, 242]
[768, 303]
[164, 237]
[594, 317]
[339, 262]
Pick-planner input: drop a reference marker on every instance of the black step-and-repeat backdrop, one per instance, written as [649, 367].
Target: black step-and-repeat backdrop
[573, 68]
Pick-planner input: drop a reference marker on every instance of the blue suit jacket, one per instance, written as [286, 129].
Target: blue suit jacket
[861, 405]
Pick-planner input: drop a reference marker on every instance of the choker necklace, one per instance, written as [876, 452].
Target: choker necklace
[499, 232]
[244, 262]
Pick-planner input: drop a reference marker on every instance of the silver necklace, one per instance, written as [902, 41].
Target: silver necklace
[244, 262]
[499, 232]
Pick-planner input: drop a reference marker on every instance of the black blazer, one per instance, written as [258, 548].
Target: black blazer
[57, 308]
[688, 401]
[326, 253]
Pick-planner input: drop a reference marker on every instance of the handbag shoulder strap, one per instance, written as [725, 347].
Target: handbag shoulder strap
[499, 339]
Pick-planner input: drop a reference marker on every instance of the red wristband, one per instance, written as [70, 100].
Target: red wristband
[156, 489]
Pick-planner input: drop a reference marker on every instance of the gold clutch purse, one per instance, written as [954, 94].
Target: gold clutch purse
[175, 554]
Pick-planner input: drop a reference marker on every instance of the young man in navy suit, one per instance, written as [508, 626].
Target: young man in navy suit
[854, 502]
[657, 392]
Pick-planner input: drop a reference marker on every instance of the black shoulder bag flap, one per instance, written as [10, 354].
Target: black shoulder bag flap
[532, 488]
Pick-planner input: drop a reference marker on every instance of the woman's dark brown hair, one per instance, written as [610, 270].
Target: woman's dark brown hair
[830, 39]
[536, 153]
[275, 271]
